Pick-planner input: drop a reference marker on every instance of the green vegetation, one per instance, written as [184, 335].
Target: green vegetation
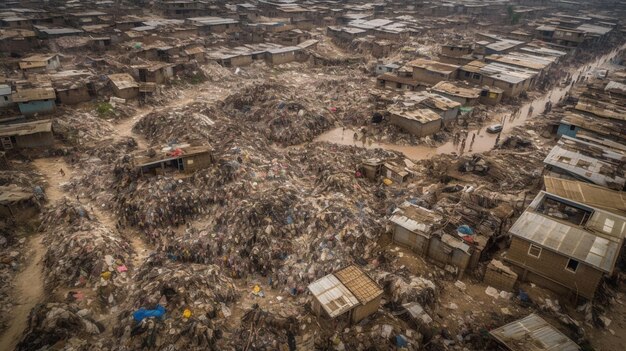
[104, 109]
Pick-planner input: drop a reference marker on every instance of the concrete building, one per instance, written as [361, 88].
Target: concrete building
[349, 291]
[565, 245]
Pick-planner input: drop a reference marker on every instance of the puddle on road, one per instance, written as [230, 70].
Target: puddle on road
[484, 141]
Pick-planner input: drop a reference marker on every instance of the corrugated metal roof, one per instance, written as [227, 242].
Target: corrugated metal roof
[567, 240]
[588, 161]
[593, 195]
[334, 297]
[415, 218]
[533, 333]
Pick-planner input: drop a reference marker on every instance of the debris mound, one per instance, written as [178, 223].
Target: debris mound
[53, 322]
[193, 297]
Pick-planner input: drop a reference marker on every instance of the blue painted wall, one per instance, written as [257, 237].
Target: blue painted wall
[564, 129]
[32, 107]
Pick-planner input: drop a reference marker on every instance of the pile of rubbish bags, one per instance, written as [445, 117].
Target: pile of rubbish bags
[52, 322]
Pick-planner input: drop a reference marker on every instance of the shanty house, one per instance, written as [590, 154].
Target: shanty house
[349, 290]
[26, 135]
[281, 55]
[420, 122]
[185, 160]
[124, 85]
[40, 63]
[444, 107]
[395, 172]
[464, 95]
[196, 53]
[35, 100]
[432, 72]
[413, 226]
[564, 245]
[5, 96]
[158, 73]
[418, 228]
[532, 333]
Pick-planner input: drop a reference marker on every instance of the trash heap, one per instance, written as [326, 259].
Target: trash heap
[50, 323]
[275, 111]
[180, 124]
[176, 305]
[407, 288]
[158, 202]
[82, 253]
[81, 128]
[264, 330]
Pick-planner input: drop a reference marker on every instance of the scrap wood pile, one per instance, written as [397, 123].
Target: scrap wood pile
[51, 323]
[281, 116]
[84, 253]
[190, 300]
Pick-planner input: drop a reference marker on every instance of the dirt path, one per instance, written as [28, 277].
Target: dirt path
[29, 289]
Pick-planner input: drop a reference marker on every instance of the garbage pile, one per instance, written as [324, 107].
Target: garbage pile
[263, 330]
[375, 337]
[275, 111]
[408, 289]
[53, 322]
[176, 305]
[84, 253]
[179, 124]
[81, 128]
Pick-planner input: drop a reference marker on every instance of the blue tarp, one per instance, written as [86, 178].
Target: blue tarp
[465, 229]
[143, 313]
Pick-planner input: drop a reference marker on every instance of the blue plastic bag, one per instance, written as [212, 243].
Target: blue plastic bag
[143, 313]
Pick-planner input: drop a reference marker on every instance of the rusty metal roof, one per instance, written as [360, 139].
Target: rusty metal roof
[359, 283]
